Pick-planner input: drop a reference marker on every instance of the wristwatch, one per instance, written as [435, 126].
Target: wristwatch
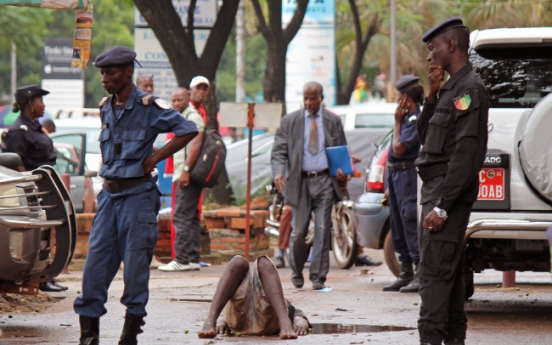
[440, 212]
[186, 168]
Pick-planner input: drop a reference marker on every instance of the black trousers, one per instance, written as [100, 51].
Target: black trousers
[186, 224]
[441, 271]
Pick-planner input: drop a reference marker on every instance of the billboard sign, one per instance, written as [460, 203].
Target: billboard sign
[311, 53]
[205, 13]
[151, 55]
[65, 83]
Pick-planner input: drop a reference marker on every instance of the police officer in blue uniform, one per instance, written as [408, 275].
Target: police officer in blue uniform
[453, 132]
[402, 180]
[25, 136]
[125, 226]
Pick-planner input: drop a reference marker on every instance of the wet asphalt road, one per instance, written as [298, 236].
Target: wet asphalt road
[356, 305]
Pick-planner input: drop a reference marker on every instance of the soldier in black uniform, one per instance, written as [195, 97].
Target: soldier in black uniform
[453, 133]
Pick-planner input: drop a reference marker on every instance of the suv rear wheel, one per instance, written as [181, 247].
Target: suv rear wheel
[390, 256]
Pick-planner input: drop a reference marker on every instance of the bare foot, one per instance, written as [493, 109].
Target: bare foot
[208, 331]
[287, 332]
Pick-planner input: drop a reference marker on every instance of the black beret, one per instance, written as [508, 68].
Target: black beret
[25, 93]
[444, 26]
[406, 81]
[115, 57]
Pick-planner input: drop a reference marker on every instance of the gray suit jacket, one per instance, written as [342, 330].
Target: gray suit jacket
[287, 153]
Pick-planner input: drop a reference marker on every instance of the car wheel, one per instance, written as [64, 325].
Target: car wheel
[344, 241]
[468, 281]
[390, 256]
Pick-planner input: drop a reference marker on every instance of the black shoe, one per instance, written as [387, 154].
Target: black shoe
[414, 286]
[279, 262]
[298, 282]
[405, 277]
[455, 342]
[365, 260]
[90, 330]
[49, 287]
[131, 329]
[318, 286]
[62, 287]
[427, 343]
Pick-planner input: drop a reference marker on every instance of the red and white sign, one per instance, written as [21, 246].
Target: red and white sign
[491, 184]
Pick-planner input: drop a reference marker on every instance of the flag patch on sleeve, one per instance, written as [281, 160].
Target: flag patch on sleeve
[462, 102]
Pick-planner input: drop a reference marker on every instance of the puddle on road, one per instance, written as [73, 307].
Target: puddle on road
[333, 328]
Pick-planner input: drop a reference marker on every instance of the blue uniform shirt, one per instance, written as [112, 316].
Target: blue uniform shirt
[127, 138]
[409, 138]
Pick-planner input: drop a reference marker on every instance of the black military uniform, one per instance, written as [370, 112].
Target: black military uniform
[26, 137]
[453, 134]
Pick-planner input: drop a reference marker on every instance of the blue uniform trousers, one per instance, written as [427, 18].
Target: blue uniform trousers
[403, 209]
[125, 228]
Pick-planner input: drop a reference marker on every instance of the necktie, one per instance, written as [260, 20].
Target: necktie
[313, 135]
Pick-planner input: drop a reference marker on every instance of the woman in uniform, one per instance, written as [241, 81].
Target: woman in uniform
[27, 138]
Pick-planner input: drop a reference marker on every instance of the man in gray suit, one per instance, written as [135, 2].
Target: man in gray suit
[299, 154]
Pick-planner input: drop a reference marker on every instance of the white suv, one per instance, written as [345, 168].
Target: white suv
[508, 222]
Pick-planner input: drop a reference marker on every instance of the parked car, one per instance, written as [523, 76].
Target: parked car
[236, 160]
[508, 222]
[371, 217]
[366, 115]
[32, 204]
[71, 153]
[93, 157]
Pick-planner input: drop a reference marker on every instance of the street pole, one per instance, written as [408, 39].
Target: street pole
[240, 53]
[13, 69]
[240, 59]
[393, 31]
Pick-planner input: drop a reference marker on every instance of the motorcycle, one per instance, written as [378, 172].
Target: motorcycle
[343, 235]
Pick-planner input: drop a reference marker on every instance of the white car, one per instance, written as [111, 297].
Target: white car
[366, 115]
[507, 229]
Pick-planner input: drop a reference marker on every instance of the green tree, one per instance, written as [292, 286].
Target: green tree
[269, 24]
[25, 26]
[113, 25]
[178, 43]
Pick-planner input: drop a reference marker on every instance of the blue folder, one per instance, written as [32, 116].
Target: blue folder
[339, 157]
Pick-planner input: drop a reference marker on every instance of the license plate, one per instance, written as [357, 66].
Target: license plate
[491, 184]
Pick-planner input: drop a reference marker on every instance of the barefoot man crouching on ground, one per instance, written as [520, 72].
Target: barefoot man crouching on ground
[256, 303]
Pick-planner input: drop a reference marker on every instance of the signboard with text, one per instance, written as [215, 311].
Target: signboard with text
[154, 61]
[65, 83]
[151, 55]
[311, 53]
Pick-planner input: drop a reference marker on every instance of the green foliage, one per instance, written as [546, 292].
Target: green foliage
[113, 25]
[255, 62]
[25, 26]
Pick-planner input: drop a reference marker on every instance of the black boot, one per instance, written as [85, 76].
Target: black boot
[90, 330]
[454, 341]
[131, 329]
[414, 285]
[405, 277]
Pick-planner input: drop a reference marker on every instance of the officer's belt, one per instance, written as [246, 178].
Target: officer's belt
[429, 172]
[117, 186]
[400, 166]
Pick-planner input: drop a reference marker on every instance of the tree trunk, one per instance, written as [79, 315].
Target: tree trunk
[274, 83]
[177, 42]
